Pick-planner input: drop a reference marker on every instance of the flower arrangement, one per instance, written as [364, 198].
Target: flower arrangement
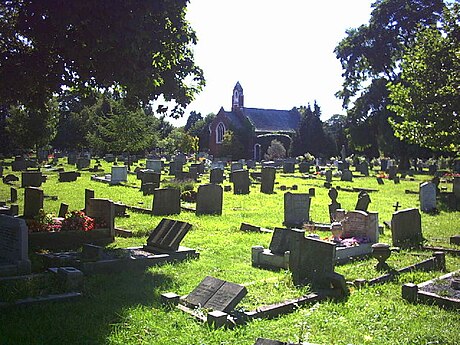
[73, 221]
[44, 222]
[77, 220]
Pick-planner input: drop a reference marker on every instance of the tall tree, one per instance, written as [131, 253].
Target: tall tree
[144, 48]
[427, 99]
[192, 119]
[370, 56]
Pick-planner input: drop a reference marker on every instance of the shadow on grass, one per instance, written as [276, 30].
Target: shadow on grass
[106, 300]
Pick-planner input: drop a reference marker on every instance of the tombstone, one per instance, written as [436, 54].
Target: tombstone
[288, 167]
[1, 170]
[14, 258]
[383, 164]
[18, 164]
[119, 174]
[168, 234]
[427, 197]
[363, 201]
[432, 169]
[33, 202]
[175, 168]
[149, 176]
[89, 194]
[236, 166]
[304, 167]
[380, 181]
[296, 209]
[72, 159]
[328, 175]
[199, 167]
[180, 158]
[311, 260]
[193, 173]
[13, 195]
[109, 158]
[392, 170]
[280, 241]
[334, 205]
[148, 188]
[209, 199]
[166, 201]
[364, 168]
[241, 181]
[396, 180]
[312, 192]
[68, 176]
[268, 180]
[216, 175]
[216, 294]
[456, 187]
[358, 224]
[31, 179]
[250, 164]
[104, 210]
[153, 164]
[63, 209]
[83, 163]
[346, 175]
[406, 227]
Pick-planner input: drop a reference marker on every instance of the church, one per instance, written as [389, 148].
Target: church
[254, 127]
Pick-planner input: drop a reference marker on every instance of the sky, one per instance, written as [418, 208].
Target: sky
[281, 52]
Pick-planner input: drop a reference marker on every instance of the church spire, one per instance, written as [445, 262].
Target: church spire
[238, 97]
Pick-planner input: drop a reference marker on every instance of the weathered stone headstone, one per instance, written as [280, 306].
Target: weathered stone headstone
[364, 168]
[153, 164]
[363, 201]
[14, 258]
[149, 176]
[236, 166]
[68, 176]
[304, 167]
[13, 194]
[31, 179]
[119, 174]
[334, 205]
[33, 201]
[166, 201]
[296, 208]
[89, 194]
[104, 210]
[392, 170]
[83, 163]
[359, 224]
[279, 243]
[168, 234]
[209, 199]
[328, 175]
[288, 167]
[241, 181]
[406, 227]
[268, 180]
[72, 159]
[216, 294]
[427, 196]
[347, 175]
[216, 175]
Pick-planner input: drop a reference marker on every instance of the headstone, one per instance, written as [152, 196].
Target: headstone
[296, 209]
[359, 224]
[14, 258]
[149, 176]
[72, 159]
[392, 170]
[312, 192]
[83, 163]
[250, 164]
[216, 294]
[1, 170]
[347, 175]
[209, 199]
[427, 197]
[166, 201]
[288, 167]
[31, 179]
[236, 166]
[456, 187]
[279, 243]
[328, 175]
[364, 168]
[311, 260]
[103, 210]
[13, 194]
[241, 181]
[68, 176]
[406, 227]
[109, 158]
[193, 173]
[89, 194]
[216, 175]
[383, 164]
[119, 174]
[18, 164]
[268, 180]
[168, 234]
[363, 201]
[334, 205]
[153, 164]
[33, 202]
[396, 180]
[304, 167]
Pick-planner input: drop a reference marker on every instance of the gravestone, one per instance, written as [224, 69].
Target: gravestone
[304, 167]
[250, 164]
[149, 176]
[14, 258]
[334, 205]
[13, 194]
[166, 201]
[119, 174]
[456, 187]
[279, 243]
[216, 175]
[68, 176]
[153, 164]
[236, 166]
[296, 209]
[427, 197]
[83, 163]
[346, 175]
[33, 202]
[241, 181]
[392, 170]
[406, 227]
[268, 180]
[168, 234]
[311, 260]
[1, 170]
[288, 167]
[328, 175]
[103, 210]
[72, 159]
[19, 164]
[109, 158]
[359, 224]
[363, 201]
[89, 194]
[31, 179]
[396, 180]
[63, 209]
[193, 173]
[209, 199]
[364, 168]
[383, 164]
[216, 294]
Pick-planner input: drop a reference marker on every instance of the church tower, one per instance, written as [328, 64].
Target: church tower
[237, 97]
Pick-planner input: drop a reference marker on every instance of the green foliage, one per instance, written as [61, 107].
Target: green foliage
[276, 150]
[232, 146]
[426, 99]
[200, 129]
[192, 119]
[144, 49]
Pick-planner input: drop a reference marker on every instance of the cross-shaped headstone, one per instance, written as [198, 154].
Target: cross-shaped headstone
[396, 206]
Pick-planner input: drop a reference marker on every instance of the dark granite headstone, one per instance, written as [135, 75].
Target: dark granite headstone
[33, 202]
[216, 175]
[406, 227]
[288, 167]
[296, 208]
[168, 234]
[268, 180]
[363, 201]
[13, 194]
[68, 176]
[14, 258]
[31, 179]
[280, 241]
[166, 201]
[209, 199]
[241, 181]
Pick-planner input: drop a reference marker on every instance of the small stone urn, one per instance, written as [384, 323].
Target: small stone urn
[337, 231]
[381, 252]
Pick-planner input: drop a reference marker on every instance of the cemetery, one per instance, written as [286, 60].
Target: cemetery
[307, 237]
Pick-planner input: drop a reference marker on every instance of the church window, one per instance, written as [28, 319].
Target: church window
[220, 131]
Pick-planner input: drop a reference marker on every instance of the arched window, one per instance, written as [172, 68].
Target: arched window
[220, 131]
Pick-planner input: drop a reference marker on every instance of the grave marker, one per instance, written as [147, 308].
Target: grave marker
[33, 202]
[14, 258]
[241, 181]
[334, 205]
[427, 196]
[363, 201]
[31, 179]
[268, 180]
[216, 175]
[296, 209]
[119, 174]
[166, 201]
[406, 227]
[209, 199]
[168, 234]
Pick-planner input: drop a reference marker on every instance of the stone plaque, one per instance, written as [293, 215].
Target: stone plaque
[168, 234]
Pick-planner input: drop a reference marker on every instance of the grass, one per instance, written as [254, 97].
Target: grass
[125, 308]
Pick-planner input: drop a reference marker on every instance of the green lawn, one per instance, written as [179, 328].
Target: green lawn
[125, 308]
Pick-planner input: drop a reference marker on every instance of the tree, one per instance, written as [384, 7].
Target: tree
[276, 150]
[427, 98]
[141, 48]
[370, 56]
[232, 146]
[334, 129]
[200, 129]
[192, 119]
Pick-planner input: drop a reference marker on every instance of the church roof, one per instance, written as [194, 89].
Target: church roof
[271, 120]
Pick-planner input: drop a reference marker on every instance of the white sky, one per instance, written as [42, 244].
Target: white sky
[281, 52]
